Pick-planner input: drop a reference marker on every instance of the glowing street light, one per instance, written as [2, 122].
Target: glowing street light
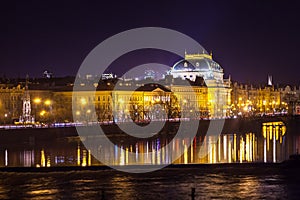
[37, 100]
[43, 112]
[47, 102]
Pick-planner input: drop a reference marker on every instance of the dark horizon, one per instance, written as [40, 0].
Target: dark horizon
[250, 40]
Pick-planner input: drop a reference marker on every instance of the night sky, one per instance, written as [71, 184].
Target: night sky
[249, 39]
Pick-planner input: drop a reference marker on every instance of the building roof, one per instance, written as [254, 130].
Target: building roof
[197, 62]
[151, 87]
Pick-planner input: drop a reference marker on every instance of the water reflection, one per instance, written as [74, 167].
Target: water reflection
[33, 150]
[229, 148]
[210, 183]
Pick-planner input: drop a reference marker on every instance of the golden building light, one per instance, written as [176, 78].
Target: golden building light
[47, 102]
[37, 100]
[42, 113]
[83, 101]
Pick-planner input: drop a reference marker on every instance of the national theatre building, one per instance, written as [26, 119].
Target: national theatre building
[218, 88]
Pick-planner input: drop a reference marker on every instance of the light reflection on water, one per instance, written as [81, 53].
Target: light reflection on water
[225, 149]
[164, 184]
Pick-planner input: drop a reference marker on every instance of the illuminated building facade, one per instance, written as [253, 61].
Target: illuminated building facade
[248, 100]
[208, 96]
[219, 91]
[119, 100]
[10, 102]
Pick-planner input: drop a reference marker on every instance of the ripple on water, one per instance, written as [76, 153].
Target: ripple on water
[163, 184]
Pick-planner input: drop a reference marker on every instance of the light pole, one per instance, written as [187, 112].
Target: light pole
[5, 117]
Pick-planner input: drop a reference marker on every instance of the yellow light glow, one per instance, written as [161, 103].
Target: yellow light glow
[37, 100]
[48, 161]
[89, 158]
[84, 158]
[83, 101]
[43, 159]
[185, 155]
[48, 102]
[78, 155]
[264, 131]
[42, 113]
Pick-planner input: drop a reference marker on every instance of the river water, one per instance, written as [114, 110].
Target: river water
[210, 182]
[56, 165]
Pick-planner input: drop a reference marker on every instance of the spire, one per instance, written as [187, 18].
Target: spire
[270, 80]
[185, 52]
[26, 110]
[26, 82]
[211, 54]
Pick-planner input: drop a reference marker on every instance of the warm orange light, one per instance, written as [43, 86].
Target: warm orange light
[83, 101]
[43, 112]
[47, 102]
[37, 100]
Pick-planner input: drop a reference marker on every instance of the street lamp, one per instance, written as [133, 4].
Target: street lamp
[5, 117]
[47, 102]
[37, 100]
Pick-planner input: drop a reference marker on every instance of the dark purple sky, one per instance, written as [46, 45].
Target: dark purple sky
[249, 39]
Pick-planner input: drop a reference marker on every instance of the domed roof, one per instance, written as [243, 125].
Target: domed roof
[203, 64]
[183, 65]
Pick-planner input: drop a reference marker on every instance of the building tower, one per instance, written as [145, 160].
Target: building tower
[26, 111]
[270, 80]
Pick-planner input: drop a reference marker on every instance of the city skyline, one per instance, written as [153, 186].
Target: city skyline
[149, 99]
[250, 41]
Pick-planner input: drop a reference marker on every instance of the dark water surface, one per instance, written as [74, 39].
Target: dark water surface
[210, 182]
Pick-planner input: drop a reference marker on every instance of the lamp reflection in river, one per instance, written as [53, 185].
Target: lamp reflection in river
[6, 158]
[43, 159]
[273, 132]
